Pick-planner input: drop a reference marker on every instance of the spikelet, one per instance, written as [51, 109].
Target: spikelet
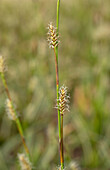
[2, 65]
[52, 36]
[74, 166]
[9, 110]
[63, 100]
[24, 162]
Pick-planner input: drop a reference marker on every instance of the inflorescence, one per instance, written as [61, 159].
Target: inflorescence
[63, 100]
[52, 36]
[2, 65]
[24, 162]
[10, 110]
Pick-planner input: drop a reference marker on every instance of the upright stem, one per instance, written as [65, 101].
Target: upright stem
[62, 154]
[57, 88]
[58, 14]
[57, 24]
[19, 126]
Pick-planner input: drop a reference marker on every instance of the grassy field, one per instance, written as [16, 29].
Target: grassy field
[84, 67]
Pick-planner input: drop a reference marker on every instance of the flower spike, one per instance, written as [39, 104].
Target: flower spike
[10, 110]
[63, 100]
[2, 65]
[24, 162]
[52, 36]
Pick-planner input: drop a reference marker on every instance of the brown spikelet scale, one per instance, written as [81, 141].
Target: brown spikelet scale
[52, 36]
[63, 100]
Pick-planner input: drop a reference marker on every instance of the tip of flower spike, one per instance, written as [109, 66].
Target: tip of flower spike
[63, 100]
[9, 110]
[53, 38]
[24, 162]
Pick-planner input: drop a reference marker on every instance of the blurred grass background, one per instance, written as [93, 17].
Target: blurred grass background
[84, 61]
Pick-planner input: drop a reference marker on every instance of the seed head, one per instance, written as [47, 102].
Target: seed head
[9, 110]
[2, 65]
[52, 36]
[63, 100]
[74, 166]
[24, 162]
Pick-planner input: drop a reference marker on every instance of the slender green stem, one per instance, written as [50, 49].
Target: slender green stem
[57, 73]
[60, 127]
[58, 14]
[57, 24]
[62, 153]
[57, 89]
[19, 126]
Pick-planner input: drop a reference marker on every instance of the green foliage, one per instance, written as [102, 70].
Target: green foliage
[84, 66]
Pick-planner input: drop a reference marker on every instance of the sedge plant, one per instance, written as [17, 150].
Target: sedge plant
[12, 114]
[62, 97]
